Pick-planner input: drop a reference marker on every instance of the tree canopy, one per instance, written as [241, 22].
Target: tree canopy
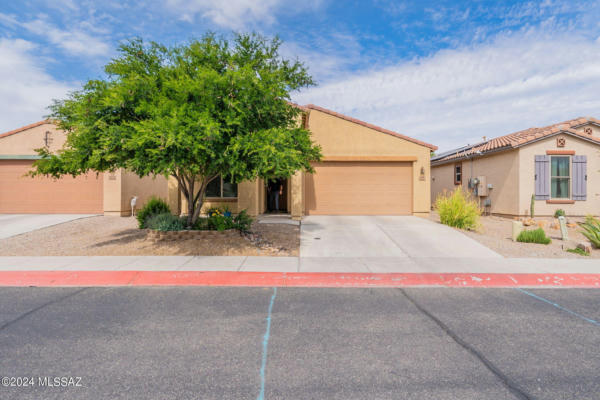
[196, 111]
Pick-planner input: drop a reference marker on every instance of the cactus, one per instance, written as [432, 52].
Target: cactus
[532, 207]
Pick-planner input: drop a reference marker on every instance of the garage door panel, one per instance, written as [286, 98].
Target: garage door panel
[359, 188]
[25, 195]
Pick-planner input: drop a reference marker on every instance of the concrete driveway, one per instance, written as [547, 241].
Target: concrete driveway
[383, 244]
[16, 224]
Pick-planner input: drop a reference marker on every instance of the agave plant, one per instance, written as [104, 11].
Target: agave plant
[591, 230]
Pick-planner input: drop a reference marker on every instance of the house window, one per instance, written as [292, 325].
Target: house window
[458, 174]
[221, 188]
[560, 177]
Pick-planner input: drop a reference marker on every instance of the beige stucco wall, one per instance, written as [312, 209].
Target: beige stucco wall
[25, 142]
[500, 170]
[339, 137]
[527, 172]
[595, 130]
[120, 186]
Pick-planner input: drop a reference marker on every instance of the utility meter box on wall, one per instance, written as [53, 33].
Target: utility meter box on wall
[482, 187]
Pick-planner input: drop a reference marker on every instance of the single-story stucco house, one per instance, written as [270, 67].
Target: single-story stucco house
[558, 164]
[366, 170]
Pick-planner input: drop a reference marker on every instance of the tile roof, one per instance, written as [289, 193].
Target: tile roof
[366, 124]
[24, 128]
[517, 139]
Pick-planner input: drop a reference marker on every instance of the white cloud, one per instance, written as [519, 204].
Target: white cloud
[237, 14]
[72, 41]
[26, 88]
[457, 96]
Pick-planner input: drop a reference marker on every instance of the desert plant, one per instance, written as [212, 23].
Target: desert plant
[242, 221]
[154, 206]
[201, 224]
[591, 230]
[165, 222]
[458, 209]
[559, 213]
[532, 206]
[534, 236]
[219, 223]
[579, 251]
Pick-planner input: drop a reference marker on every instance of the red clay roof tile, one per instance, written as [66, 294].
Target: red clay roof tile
[522, 137]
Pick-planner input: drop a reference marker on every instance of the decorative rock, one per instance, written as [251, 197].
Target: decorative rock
[571, 225]
[585, 246]
[541, 223]
[554, 225]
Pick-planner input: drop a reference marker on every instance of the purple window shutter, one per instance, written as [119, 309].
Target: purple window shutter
[579, 177]
[542, 177]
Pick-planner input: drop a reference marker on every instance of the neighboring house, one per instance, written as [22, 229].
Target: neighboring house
[366, 170]
[107, 193]
[559, 165]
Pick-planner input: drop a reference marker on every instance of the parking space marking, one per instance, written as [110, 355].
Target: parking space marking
[265, 347]
[535, 296]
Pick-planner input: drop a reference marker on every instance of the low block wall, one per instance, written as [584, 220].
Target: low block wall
[184, 235]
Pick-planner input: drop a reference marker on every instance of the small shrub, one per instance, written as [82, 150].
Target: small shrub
[201, 224]
[242, 221]
[579, 251]
[559, 213]
[591, 230]
[458, 209]
[219, 223]
[154, 206]
[534, 236]
[165, 222]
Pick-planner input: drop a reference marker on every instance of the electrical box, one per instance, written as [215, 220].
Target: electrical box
[482, 187]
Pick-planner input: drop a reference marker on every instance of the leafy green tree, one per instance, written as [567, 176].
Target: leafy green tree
[208, 108]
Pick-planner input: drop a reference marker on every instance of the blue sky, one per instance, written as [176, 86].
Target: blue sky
[447, 72]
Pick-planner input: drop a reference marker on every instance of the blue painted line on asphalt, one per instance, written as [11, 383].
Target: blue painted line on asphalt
[535, 296]
[263, 365]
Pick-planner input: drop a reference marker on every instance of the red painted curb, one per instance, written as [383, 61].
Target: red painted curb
[291, 279]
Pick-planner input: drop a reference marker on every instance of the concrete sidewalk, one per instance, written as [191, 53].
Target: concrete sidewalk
[304, 264]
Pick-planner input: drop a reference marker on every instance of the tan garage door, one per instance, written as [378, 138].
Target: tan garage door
[359, 188]
[25, 195]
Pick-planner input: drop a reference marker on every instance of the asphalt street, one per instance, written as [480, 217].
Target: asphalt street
[299, 343]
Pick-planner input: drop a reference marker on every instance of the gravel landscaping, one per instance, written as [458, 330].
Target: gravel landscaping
[495, 233]
[117, 236]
